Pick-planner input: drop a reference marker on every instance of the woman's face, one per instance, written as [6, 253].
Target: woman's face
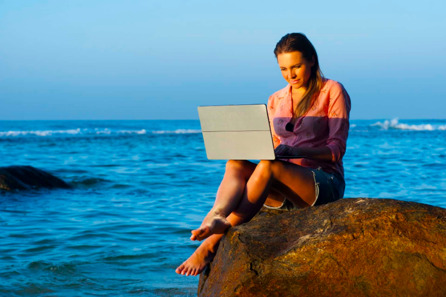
[296, 70]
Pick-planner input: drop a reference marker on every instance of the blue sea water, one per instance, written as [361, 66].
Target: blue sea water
[139, 187]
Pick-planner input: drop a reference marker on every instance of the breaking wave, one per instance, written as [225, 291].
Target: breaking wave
[39, 132]
[94, 131]
[395, 124]
[179, 131]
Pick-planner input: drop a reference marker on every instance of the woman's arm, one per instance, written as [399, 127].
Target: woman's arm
[318, 153]
[338, 121]
[338, 126]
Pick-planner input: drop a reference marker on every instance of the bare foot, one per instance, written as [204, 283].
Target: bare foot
[215, 224]
[197, 261]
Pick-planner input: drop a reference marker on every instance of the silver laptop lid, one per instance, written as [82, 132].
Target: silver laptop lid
[237, 132]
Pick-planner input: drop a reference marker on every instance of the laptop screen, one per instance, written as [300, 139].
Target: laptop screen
[236, 132]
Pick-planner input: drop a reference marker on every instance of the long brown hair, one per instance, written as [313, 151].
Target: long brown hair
[298, 42]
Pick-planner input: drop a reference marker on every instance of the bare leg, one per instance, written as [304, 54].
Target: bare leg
[202, 256]
[228, 197]
[296, 180]
[251, 202]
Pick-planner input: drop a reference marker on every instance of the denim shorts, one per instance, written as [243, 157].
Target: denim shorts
[329, 187]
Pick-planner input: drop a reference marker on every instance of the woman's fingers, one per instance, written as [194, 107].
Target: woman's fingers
[282, 150]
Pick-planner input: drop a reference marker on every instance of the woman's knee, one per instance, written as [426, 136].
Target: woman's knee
[265, 165]
[270, 166]
[240, 166]
[265, 169]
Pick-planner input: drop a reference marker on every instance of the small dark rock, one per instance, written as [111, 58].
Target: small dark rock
[28, 177]
[352, 247]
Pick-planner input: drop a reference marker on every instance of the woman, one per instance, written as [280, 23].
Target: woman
[310, 119]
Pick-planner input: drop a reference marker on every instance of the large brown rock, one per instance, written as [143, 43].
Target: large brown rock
[352, 247]
[28, 177]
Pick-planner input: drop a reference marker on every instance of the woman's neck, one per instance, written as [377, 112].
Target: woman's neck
[297, 96]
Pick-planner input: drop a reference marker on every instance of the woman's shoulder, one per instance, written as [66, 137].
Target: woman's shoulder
[331, 85]
[333, 92]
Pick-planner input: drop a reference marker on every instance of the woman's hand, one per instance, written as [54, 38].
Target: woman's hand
[286, 150]
[317, 153]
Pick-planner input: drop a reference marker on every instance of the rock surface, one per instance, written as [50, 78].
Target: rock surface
[352, 247]
[28, 177]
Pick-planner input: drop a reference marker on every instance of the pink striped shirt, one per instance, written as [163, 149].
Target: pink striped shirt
[326, 123]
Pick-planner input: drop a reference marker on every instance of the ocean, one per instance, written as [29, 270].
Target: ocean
[139, 187]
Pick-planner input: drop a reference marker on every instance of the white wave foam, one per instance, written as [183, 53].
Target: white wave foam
[394, 124]
[179, 131]
[140, 132]
[92, 131]
[102, 131]
[40, 132]
[107, 131]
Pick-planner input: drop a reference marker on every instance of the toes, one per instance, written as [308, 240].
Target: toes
[204, 232]
[201, 231]
[196, 234]
[179, 269]
[185, 270]
[199, 234]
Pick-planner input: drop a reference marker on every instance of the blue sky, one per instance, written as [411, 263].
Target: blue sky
[161, 59]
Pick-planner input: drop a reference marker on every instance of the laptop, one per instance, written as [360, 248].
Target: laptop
[237, 132]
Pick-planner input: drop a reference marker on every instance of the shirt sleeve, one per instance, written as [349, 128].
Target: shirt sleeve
[271, 112]
[338, 121]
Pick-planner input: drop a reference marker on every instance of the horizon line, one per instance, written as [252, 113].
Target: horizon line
[193, 119]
